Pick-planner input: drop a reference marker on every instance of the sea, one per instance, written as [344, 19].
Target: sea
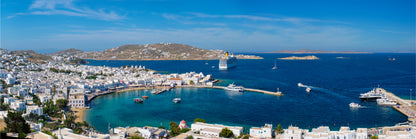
[335, 79]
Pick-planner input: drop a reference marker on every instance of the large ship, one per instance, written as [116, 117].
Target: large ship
[227, 61]
[372, 95]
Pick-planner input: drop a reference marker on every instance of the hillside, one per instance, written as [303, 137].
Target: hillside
[307, 51]
[31, 55]
[159, 51]
[67, 52]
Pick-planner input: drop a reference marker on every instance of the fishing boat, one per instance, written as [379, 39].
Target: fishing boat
[233, 87]
[138, 100]
[308, 89]
[354, 105]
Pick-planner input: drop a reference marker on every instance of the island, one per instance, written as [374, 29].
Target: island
[300, 58]
[157, 51]
[307, 51]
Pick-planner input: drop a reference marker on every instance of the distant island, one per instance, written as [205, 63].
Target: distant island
[300, 58]
[307, 51]
[158, 51]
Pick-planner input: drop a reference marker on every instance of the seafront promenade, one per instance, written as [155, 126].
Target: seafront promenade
[404, 106]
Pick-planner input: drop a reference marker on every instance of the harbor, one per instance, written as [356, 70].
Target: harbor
[403, 106]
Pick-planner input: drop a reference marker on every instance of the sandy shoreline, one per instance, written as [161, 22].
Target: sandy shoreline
[79, 113]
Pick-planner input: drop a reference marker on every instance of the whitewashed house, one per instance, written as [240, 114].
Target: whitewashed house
[262, 132]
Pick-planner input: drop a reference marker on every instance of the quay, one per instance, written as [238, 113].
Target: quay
[404, 106]
[90, 97]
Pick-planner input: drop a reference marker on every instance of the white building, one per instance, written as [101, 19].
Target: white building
[321, 132]
[77, 100]
[361, 133]
[293, 133]
[18, 105]
[34, 109]
[214, 129]
[262, 132]
[9, 100]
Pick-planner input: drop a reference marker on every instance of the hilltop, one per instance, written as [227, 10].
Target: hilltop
[159, 51]
[67, 52]
[31, 55]
[307, 51]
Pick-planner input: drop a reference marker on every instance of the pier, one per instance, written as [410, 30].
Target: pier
[254, 90]
[404, 106]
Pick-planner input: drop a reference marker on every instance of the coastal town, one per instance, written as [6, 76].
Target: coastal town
[46, 99]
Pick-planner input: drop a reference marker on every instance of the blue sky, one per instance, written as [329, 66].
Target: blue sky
[238, 26]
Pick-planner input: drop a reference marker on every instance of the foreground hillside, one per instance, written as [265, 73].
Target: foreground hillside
[160, 51]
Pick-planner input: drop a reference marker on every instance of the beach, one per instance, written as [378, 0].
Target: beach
[79, 113]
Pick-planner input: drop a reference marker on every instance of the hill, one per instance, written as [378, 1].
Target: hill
[307, 51]
[159, 51]
[31, 55]
[67, 52]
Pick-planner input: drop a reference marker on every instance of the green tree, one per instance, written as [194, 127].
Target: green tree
[36, 100]
[225, 132]
[199, 120]
[136, 137]
[190, 137]
[61, 103]
[374, 137]
[70, 118]
[16, 123]
[174, 129]
[279, 129]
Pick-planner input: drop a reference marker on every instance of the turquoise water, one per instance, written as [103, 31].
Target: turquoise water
[335, 83]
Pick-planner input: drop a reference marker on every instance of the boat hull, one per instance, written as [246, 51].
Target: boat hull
[369, 98]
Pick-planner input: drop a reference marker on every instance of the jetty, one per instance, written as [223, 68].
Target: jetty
[404, 106]
[254, 90]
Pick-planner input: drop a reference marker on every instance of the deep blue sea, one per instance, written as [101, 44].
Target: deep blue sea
[335, 83]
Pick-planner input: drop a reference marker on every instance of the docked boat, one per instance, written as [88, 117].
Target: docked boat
[372, 95]
[233, 87]
[138, 100]
[354, 105]
[227, 62]
[386, 102]
[177, 100]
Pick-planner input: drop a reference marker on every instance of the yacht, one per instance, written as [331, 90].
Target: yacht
[354, 105]
[227, 61]
[301, 85]
[386, 101]
[308, 89]
[372, 95]
[177, 100]
[233, 87]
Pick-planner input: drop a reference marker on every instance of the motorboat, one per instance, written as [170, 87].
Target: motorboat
[233, 87]
[354, 105]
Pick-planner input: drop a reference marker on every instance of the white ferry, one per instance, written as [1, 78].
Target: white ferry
[354, 105]
[233, 87]
[372, 95]
[227, 61]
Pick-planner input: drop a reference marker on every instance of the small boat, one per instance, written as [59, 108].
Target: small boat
[213, 67]
[278, 91]
[354, 105]
[308, 89]
[145, 97]
[206, 63]
[177, 100]
[138, 100]
[275, 67]
[300, 85]
[233, 87]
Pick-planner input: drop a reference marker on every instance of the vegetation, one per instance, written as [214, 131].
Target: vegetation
[70, 118]
[184, 130]
[2, 105]
[174, 129]
[50, 133]
[50, 109]
[35, 99]
[21, 135]
[279, 129]
[16, 123]
[61, 103]
[32, 117]
[374, 137]
[225, 132]
[136, 137]
[190, 137]
[199, 120]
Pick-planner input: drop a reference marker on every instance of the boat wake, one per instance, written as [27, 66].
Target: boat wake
[314, 88]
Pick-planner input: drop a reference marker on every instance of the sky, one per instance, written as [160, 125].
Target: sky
[233, 25]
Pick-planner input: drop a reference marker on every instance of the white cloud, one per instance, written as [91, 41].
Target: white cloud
[66, 7]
